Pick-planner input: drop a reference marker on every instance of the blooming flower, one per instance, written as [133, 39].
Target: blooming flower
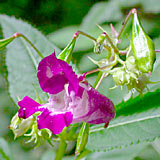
[71, 100]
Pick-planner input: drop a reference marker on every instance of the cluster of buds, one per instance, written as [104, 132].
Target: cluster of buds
[20, 127]
[130, 75]
[135, 70]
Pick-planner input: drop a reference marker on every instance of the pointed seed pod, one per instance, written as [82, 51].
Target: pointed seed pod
[142, 47]
[5, 42]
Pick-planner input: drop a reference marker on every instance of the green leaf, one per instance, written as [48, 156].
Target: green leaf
[21, 59]
[127, 153]
[138, 120]
[5, 153]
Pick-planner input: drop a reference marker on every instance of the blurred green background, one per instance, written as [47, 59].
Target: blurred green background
[47, 15]
[58, 20]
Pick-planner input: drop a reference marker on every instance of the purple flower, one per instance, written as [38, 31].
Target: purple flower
[71, 99]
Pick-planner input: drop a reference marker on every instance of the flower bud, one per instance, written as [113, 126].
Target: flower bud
[6, 41]
[131, 64]
[66, 54]
[142, 47]
[99, 43]
[20, 127]
[119, 77]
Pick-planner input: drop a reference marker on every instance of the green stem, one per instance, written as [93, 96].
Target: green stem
[107, 48]
[126, 21]
[100, 80]
[87, 35]
[61, 150]
[113, 63]
[111, 43]
[32, 45]
[97, 79]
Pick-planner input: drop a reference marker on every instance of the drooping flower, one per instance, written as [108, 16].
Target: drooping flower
[71, 99]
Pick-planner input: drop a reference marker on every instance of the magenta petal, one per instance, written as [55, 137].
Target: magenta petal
[54, 73]
[28, 107]
[100, 108]
[54, 122]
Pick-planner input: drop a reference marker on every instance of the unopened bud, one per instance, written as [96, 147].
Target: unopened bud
[119, 77]
[5, 42]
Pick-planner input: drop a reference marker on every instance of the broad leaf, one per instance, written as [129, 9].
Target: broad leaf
[138, 120]
[21, 59]
[120, 154]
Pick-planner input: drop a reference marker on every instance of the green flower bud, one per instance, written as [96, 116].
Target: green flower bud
[99, 43]
[66, 54]
[131, 64]
[5, 42]
[142, 47]
[101, 38]
[37, 136]
[21, 126]
[119, 76]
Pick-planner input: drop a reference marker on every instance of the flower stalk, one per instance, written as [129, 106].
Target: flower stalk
[61, 149]
[126, 21]
[32, 45]
[86, 35]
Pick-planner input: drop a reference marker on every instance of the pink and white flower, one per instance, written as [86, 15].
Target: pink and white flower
[71, 100]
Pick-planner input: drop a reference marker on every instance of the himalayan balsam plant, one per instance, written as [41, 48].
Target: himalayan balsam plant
[73, 105]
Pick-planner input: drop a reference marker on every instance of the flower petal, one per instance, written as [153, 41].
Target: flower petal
[96, 107]
[101, 109]
[54, 73]
[28, 107]
[54, 122]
